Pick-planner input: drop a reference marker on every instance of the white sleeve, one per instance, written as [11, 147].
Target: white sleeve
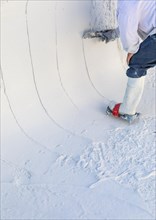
[128, 21]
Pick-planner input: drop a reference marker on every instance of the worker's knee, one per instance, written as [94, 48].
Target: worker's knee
[136, 73]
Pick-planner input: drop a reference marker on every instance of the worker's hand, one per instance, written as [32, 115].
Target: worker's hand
[129, 56]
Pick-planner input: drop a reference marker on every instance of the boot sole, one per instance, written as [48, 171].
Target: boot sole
[130, 119]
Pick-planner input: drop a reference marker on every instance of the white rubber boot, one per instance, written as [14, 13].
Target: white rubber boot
[133, 94]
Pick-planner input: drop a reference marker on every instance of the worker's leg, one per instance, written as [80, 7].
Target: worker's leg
[144, 59]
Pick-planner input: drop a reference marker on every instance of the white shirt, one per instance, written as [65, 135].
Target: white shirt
[136, 18]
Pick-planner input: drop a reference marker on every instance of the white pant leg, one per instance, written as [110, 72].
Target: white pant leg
[133, 94]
